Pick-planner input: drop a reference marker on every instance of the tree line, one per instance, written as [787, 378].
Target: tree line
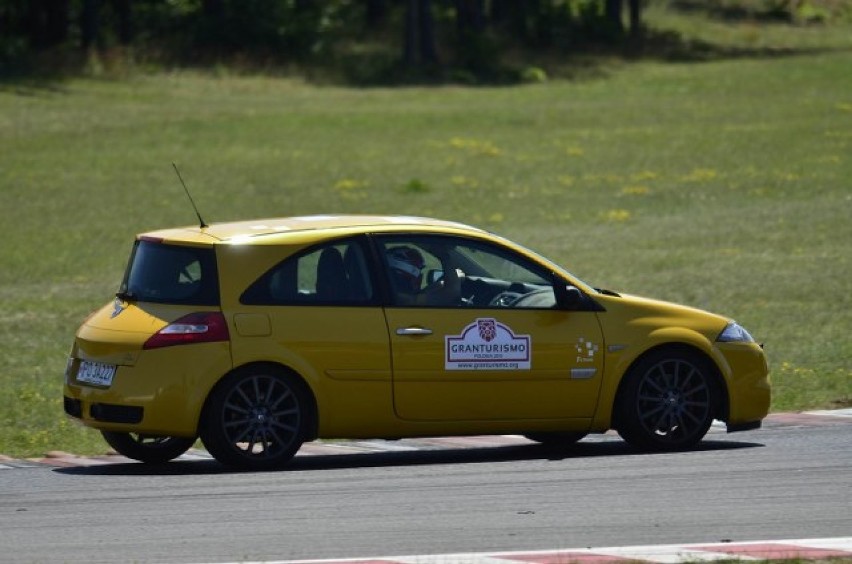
[470, 35]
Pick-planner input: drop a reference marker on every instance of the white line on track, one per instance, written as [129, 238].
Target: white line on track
[832, 412]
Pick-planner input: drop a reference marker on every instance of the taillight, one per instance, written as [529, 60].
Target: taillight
[201, 327]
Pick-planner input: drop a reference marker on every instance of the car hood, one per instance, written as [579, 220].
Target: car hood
[638, 312]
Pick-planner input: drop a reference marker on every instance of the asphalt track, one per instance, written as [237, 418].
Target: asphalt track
[469, 499]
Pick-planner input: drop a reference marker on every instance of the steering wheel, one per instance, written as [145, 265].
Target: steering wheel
[504, 299]
[444, 292]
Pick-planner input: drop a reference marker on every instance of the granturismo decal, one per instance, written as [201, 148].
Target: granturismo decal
[487, 344]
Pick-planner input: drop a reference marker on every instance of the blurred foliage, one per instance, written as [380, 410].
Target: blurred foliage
[357, 41]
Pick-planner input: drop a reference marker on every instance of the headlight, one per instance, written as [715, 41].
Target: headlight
[734, 333]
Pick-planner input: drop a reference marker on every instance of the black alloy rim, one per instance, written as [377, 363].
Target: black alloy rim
[674, 400]
[261, 417]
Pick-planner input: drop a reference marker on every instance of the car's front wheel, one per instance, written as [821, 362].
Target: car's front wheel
[256, 419]
[146, 448]
[668, 401]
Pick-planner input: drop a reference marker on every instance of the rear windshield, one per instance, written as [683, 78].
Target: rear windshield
[171, 274]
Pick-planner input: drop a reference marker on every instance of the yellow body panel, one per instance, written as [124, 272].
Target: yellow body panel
[367, 376]
[172, 399]
[559, 383]
[341, 353]
[168, 383]
[636, 325]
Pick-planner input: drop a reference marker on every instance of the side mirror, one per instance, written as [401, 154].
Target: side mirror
[567, 296]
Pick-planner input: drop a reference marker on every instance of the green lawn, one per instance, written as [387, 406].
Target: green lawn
[725, 184]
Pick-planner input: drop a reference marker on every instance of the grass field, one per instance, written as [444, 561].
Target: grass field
[725, 184]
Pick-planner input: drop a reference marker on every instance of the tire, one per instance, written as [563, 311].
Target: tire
[556, 439]
[146, 448]
[256, 419]
[668, 401]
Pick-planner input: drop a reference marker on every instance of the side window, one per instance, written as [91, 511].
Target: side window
[331, 274]
[436, 271]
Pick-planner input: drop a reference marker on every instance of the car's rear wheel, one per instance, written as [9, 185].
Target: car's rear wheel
[556, 439]
[146, 448]
[256, 419]
[668, 401]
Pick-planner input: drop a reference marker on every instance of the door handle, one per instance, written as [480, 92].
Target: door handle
[413, 331]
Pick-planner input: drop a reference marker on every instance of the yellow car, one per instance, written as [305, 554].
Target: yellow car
[258, 336]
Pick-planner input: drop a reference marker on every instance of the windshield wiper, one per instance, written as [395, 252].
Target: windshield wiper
[126, 296]
[606, 292]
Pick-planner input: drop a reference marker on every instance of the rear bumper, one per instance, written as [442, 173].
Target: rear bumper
[105, 412]
[163, 393]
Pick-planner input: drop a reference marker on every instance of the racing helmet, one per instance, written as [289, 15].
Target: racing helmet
[406, 266]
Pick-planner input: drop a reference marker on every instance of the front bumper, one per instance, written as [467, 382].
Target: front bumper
[746, 374]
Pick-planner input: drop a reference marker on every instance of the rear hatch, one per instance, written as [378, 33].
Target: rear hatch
[169, 295]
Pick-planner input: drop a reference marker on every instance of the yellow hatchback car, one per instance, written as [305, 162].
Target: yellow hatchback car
[258, 336]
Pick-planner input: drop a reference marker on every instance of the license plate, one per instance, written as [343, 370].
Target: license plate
[95, 373]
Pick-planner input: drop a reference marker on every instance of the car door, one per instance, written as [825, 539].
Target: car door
[479, 336]
[318, 313]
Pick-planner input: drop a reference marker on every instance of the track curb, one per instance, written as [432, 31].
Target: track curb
[59, 458]
[802, 549]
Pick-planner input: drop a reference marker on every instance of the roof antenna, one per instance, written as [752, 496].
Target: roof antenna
[191, 201]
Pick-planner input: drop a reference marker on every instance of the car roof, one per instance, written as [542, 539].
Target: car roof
[272, 229]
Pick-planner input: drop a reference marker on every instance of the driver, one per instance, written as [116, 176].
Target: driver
[406, 267]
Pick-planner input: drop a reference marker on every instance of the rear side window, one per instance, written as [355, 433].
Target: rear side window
[171, 274]
[335, 273]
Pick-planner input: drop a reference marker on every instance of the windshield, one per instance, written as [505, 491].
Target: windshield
[555, 267]
[171, 274]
